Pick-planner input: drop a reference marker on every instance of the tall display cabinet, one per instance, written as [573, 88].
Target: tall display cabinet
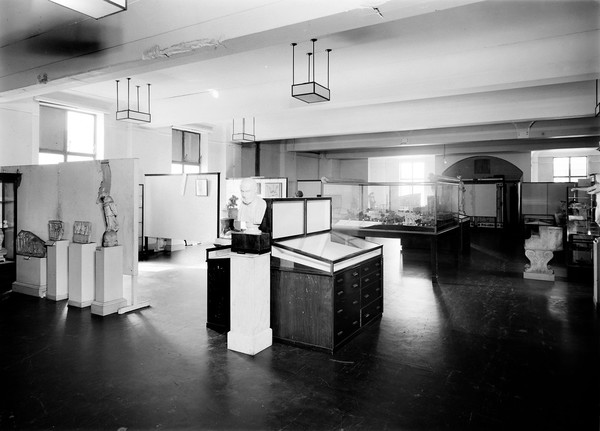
[581, 232]
[8, 225]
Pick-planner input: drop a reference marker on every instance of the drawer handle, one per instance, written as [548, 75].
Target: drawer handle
[378, 289]
[339, 280]
[379, 307]
[341, 292]
[355, 273]
[355, 323]
[355, 285]
[366, 296]
[367, 280]
[340, 310]
[366, 268]
[355, 302]
[367, 315]
[340, 333]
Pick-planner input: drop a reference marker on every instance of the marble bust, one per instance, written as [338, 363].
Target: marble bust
[252, 208]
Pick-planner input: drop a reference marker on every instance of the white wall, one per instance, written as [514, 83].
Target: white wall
[18, 134]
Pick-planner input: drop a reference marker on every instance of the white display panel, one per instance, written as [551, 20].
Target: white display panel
[174, 208]
[288, 219]
[318, 215]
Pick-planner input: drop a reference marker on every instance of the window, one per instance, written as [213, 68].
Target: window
[569, 169]
[186, 152]
[68, 135]
[413, 171]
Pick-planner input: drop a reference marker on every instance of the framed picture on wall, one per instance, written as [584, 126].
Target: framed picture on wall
[202, 187]
[272, 190]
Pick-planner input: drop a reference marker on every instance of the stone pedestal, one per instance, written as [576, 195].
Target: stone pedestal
[539, 249]
[31, 276]
[109, 281]
[58, 270]
[81, 274]
[250, 303]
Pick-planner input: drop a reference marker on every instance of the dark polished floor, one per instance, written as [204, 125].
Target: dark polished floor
[485, 349]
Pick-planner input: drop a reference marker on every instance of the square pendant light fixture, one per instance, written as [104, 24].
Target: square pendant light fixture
[310, 91]
[243, 136]
[133, 115]
[94, 8]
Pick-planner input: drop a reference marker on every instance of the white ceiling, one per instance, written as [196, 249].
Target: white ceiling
[422, 64]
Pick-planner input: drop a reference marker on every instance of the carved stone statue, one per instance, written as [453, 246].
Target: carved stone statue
[56, 230]
[109, 208]
[29, 244]
[82, 232]
[252, 209]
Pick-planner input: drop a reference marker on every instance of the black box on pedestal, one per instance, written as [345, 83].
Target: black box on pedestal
[250, 243]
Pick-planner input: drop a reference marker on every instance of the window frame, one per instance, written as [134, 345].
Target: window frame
[183, 162]
[64, 152]
[569, 178]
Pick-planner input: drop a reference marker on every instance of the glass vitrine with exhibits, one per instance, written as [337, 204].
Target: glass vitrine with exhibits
[429, 206]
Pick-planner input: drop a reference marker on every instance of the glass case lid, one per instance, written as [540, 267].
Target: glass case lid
[330, 246]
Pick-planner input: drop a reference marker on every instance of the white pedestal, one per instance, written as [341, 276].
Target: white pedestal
[31, 276]
[58, 271]
[250, 303]
[109, 281]
[81, 274]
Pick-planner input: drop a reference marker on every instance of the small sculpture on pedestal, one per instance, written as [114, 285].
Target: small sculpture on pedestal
[29, 244]
[252, 209]
[82, 232]
[56, 230]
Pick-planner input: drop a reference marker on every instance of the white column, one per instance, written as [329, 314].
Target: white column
[109, 281]
[81, 274]
[58, 270]
[31, 276]
[250, 303]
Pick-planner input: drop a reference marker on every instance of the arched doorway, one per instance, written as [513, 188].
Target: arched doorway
[492, 190]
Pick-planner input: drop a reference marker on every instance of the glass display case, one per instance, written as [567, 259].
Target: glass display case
[581, 232]
[430, 206]
[325, 288]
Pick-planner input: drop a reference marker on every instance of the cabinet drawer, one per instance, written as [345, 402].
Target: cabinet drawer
[370, 293]
[347, 277]
[346, 294]
[370, 266]
[346, 327]
[373, 277]
[371, 311]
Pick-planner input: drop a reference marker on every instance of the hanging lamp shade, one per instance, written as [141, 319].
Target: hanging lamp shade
[243, 136]
[310, 91]
[134, 113]
[94, 8]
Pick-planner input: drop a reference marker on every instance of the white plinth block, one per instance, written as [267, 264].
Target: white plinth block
[58, 271]
[31, 276]
[109, 281]
[81, 274]
[250, 303]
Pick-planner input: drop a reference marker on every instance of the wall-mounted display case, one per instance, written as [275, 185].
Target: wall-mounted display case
[429, 206]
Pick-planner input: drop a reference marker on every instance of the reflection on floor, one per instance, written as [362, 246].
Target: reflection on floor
[485, 349]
